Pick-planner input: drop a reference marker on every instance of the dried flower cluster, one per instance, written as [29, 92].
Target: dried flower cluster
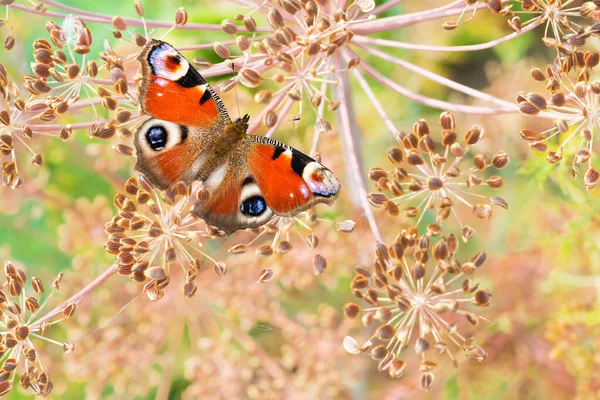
[23, 324]
[409, 296]
[428, 174]
[16, 113]
[155, 230]
[570, 22]
[574, 99]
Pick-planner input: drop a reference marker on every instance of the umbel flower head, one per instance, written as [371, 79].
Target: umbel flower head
[23, 324]
[567, 23]
[410, 299]
[298, 56]
[16, 115]
[155, 230]
[573, 97]
[432, 172]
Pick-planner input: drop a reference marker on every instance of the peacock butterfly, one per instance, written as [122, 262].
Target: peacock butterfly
[191, 137]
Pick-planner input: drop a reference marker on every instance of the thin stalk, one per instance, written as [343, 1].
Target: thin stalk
[346, 129]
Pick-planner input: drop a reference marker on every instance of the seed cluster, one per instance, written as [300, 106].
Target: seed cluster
[575, 100]
[409, 295]
[428, 174]
[21, 326]
[299, 55]
[155, 230]
[570, 23]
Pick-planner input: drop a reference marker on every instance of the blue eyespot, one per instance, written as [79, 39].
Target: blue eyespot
[157, 137]
[253, 206]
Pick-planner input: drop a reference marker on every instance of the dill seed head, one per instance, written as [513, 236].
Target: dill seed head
[21, 329]
[155, 231]
[573, 93]
[431, 172]
[408, 292]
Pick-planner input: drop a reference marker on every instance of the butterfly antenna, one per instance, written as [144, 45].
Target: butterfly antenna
[237, 103]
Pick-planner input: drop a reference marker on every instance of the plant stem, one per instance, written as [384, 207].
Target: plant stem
[110, 271]
[346, 130]
[423, 47]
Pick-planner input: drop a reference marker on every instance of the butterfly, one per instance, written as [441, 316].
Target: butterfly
[189, 136]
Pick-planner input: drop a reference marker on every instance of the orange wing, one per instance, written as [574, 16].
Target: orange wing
[289, 180]
[172, 90]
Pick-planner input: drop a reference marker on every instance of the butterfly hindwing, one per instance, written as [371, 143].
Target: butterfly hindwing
[172, 90]
[289, 180]
[236, 201]
[168, 152]
[265, 177]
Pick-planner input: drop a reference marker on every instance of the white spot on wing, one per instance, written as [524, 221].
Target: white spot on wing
[158, 59]
[326, 186]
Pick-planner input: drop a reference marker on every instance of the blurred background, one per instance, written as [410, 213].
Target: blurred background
[237, 338]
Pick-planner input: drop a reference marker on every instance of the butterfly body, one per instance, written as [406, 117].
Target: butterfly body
[190, 137]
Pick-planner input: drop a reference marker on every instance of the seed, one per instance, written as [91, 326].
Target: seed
[228, 26]
[249, 23]
[351, 310]
[447, 121]
[495, 182]
[263, 96]
[121, 86]
[284, 247]
[139, 9]
[482, 298]
[119, 23]
[350, 345]
[239, 248]
[475, 135]
[414, 158]
[264, 251]
[123, 149]
[9, 43]
[221, 50]
[265, 275]
[201, 63]
[181, 17]
[69, 310]
[529, 134]
[242, 42]
[109, 103]
[449, 25]
[36, 160]
[140, 40]
[319, 264]
[591, 178]
[435, 183]
[249, 77]
[483, 211]
[22, 332]
[346, 226]
[220, 268]
[189, 289]
[500, 160]
[275, 19]
[427, 380]
[537, 74]
[155, 273]
[587, 9]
